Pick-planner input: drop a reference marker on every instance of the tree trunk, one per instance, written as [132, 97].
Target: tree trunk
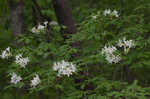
[37, 15]
[64, 17]
[17, 17]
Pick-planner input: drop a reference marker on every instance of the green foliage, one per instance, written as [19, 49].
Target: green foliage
[95, 78]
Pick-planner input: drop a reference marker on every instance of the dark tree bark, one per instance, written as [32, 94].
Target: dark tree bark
[78, 3]
[64, 17]
[37, 15]
[17, 17]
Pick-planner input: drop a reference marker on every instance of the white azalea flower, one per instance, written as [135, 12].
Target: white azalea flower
[120, 43]
[109, 54]
[113, 58]
[111, 13]
[108, 50]
[107, 12]
[35, 81]
[64, 68]
[34, 30]
[127, 44]
[39, 28]
[115, 13]
[45, 23]
[22, 61]
[6, 53]
[94, 17]
[15, 79]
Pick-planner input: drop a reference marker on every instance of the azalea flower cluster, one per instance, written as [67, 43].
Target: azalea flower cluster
[111, 13]
[35, 81]
[110, 51]
[127, 44]
[22, 61]
[39, 28]
[6, 53]
[15, 78]
[64, 68]
[19, 59]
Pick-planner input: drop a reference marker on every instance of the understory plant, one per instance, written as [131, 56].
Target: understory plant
[109, 58]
